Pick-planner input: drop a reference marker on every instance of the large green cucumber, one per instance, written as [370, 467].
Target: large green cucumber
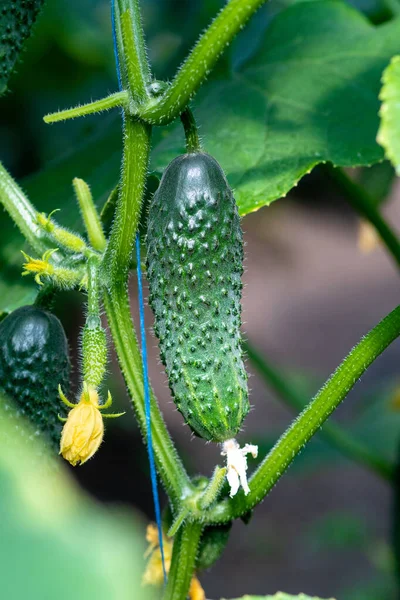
[33, 362]
[194, 268]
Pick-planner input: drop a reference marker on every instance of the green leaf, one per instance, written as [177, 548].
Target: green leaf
[55, 542]
[389, 130]
[281, 596]
[308, 95]
[17, 18]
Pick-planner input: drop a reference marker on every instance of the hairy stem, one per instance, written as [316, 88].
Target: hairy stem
[117, 258]
[200, 61]
[90, 215]
[130, 49]
[93, 287]
[310, 420]
[334, 434]
[136, 68]
[22, 212]
[186, 543]
[170, 468]
[113, 101]
[214, 487]
[178, 522]
[130, 55]
[191, 132]
[365, 206]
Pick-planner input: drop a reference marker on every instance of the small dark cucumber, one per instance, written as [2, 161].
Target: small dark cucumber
[194, 268]
[34, 360]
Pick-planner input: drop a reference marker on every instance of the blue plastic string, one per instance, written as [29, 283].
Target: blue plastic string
[116, 55]
[147, 405]
[153, 473]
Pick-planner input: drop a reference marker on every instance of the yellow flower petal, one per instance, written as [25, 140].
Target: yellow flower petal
[154, 574]
[196, 592]
[83, 431]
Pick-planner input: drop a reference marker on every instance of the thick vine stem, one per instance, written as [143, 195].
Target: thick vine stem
[365, 206]
[334, 434]
[184, 554]
[200, 61]
[118, 255]
[310, 420]
[132, 63]
[170, 468]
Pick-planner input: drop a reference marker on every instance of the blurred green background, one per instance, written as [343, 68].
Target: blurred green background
[327, 529]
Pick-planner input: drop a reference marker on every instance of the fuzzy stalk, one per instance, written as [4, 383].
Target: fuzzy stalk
[173, 475]
[310, 420]
[200, 61]
[184, 554]
[118, 255]
[334, 434]
[21, 212]
[94, 339]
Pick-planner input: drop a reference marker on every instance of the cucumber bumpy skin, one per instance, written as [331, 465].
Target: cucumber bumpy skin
[194, 268]
[33, 362]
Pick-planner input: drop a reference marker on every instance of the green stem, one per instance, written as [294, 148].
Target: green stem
[191, 132]
[117, 258]
[200, 61]
[333, 433]
[173, 475]
[90, 215]
[113, 101]
[310, 420]
[184, 554]
[178, 522]
[365, 206]
[133, 65]
[136, 65]
[214, 487]
[93, 289]
[22, 212]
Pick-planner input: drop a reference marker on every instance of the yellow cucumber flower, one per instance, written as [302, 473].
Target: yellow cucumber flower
[153, 574]
[41, 266]
[83, 430]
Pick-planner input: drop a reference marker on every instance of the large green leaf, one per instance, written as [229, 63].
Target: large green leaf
[55, 542]
[308, 95]
[16, 20]
[389, 130]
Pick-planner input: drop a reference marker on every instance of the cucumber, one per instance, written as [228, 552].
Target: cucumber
[33, 362]
[194, 268]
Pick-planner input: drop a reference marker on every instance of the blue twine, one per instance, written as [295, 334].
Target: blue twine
[147, 406]
[153, 473]
[114, 36]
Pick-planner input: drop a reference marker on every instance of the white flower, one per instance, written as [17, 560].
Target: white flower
[236, 463]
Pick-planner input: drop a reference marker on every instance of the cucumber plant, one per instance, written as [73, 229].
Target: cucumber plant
[194, 256]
